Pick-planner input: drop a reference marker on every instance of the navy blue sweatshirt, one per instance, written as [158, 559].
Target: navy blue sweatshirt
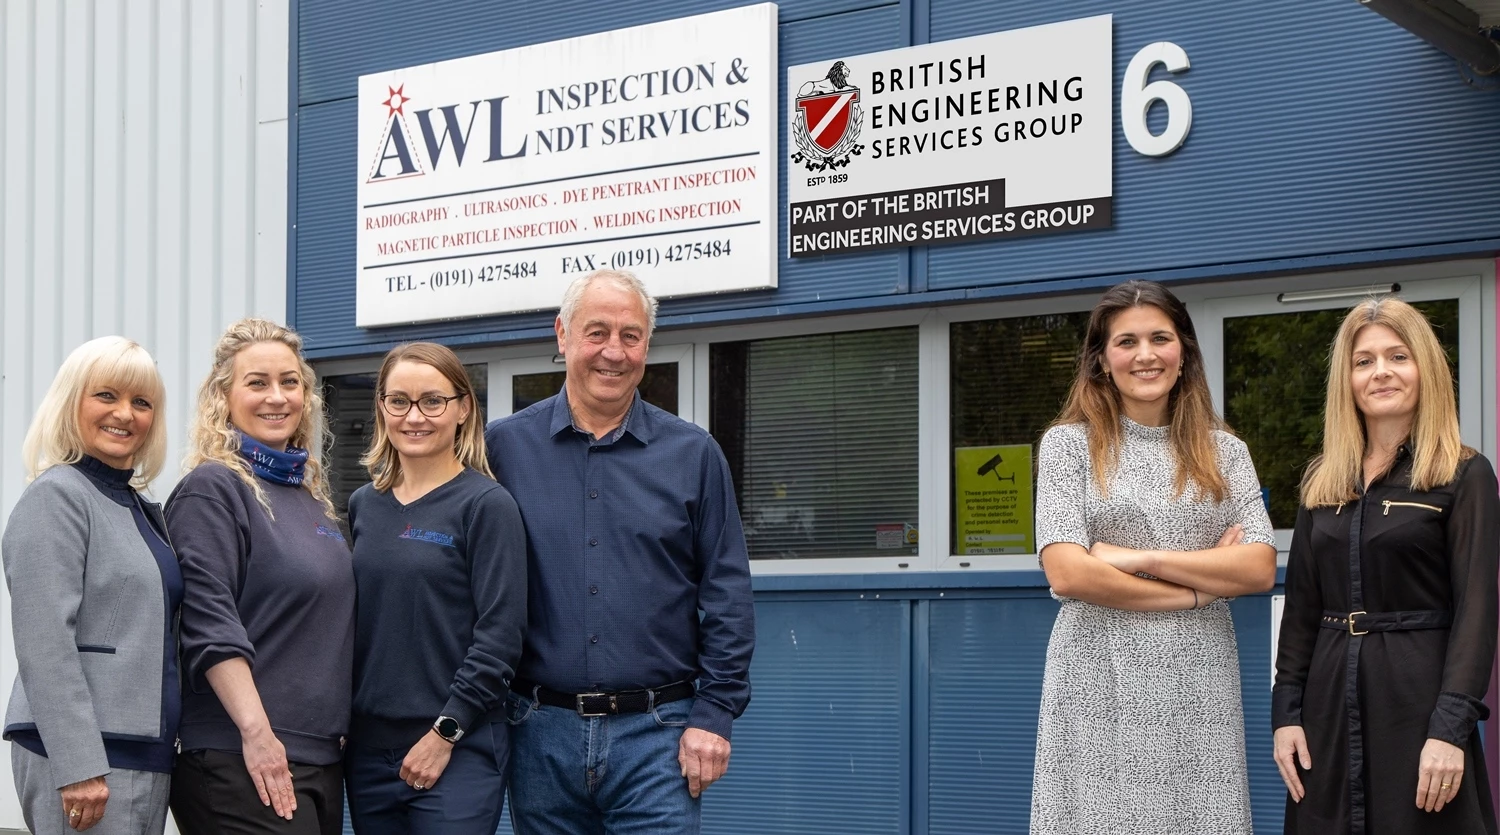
[442, 607]
[278, 593]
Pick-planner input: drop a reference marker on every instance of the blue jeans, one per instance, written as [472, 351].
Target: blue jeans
[466, 799]
[604, 775]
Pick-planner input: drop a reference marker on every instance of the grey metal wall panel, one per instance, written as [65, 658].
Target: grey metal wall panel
[324, 308]
[1318, 128]
[334, 53]
[822, 747]
[143, 183]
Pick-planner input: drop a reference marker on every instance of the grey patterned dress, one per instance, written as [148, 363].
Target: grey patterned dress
[1141, 730]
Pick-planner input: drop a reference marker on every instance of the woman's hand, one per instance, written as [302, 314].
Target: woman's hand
[425, 761]
[265, 759]
[1127, 560]
[83, 802]
[1440, 771]
[1233, 535]
[1290, 742]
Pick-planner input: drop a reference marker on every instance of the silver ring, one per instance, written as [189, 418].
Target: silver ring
[418, 786]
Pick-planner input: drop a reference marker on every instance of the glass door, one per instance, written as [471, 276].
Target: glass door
[1268, 370]
[515, 384]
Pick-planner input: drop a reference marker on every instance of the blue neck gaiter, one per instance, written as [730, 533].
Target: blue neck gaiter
[273, 465]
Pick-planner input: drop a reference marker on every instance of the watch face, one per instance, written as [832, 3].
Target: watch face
[447, 727]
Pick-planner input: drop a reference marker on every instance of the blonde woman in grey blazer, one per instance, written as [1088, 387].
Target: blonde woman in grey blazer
[94, 589]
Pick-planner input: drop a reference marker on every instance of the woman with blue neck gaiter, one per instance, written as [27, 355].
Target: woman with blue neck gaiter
[268, 613]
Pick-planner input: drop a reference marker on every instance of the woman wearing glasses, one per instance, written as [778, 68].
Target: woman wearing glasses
[268, 614]
[440, 561]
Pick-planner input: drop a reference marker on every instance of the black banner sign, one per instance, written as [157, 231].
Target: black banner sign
[947, 214]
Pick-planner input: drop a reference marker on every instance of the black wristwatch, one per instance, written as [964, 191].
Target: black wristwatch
[447, 728]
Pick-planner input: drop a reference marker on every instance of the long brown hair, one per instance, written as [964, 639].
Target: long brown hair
[1334, 476]
[381, 459]
[1095, 402]
[213, 438]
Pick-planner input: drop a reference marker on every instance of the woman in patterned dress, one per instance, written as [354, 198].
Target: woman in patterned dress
[1389, 631]
[1149, 515]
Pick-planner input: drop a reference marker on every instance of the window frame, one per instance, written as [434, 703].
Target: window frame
[1472, 282]
[1210, 312]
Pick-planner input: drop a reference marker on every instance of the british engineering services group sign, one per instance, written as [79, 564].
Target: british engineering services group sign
[993, 136]
[487, 183]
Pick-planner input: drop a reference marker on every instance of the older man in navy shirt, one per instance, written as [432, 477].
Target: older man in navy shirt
[641, 621]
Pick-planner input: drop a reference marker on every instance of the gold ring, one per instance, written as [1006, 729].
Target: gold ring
[1446, 785]
[75, 813]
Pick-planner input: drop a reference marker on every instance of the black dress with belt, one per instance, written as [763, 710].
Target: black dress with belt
[1418, 572]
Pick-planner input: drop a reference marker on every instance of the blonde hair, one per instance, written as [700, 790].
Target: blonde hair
[214, 438]
[114, 361]
[1095, 402]
[381, 459]
[1335, 475]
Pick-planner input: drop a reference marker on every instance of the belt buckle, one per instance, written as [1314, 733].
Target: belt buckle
[578, 705]
[1352, 616]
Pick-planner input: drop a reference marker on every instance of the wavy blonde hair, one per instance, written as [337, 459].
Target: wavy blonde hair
[54, 436]
[1334, 476]
[381, 459]
[214, 438]
[1095, 402]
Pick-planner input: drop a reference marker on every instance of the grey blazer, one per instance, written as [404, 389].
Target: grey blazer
[87, 612]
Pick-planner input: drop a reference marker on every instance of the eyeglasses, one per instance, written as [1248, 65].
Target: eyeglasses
[432, 405]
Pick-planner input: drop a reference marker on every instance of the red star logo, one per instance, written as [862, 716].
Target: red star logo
[395, 100]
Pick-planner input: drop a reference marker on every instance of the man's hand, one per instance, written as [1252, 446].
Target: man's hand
[704, 757]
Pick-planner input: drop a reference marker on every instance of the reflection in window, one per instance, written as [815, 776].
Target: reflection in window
[1275, 384]
[821, 436]
[1008, 379]
[658, 387]
[349, 401]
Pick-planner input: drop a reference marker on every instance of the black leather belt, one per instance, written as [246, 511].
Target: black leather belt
[606, 704]
[1361, 623]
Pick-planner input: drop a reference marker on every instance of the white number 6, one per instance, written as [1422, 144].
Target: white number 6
[1136, 97]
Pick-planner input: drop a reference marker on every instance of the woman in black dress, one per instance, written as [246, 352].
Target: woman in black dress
[1390, 623]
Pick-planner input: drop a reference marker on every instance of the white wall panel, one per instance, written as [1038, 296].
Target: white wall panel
[143, 178]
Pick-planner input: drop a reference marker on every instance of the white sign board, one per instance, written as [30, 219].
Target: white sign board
[993, 136]
[487, 183]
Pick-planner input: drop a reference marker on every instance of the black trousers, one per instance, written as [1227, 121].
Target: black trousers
[212, 794]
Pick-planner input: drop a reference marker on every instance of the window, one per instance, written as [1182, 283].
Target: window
[349, 401]
[1008, 379]
[1275, 382]
[821, 436]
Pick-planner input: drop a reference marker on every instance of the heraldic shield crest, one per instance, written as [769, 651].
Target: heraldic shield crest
[828, 120]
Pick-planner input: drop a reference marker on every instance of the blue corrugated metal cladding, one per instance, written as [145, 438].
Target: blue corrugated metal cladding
[1317, 131]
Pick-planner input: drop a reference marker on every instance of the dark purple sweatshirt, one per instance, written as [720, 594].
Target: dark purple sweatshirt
[278, 593]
